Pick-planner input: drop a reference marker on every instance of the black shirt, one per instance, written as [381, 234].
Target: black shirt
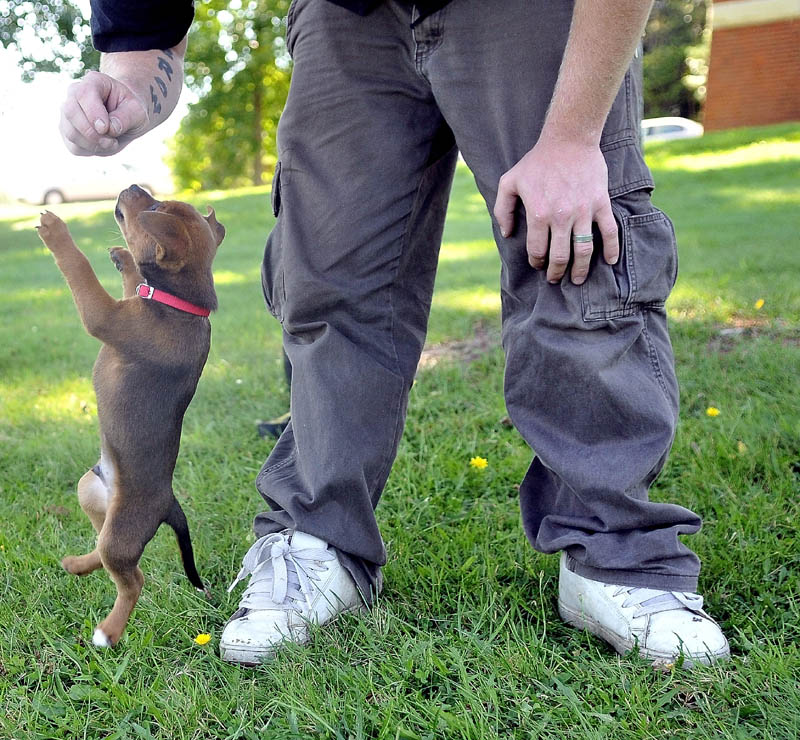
[138, 25]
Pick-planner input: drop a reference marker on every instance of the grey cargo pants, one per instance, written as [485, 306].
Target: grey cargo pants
[367, 150]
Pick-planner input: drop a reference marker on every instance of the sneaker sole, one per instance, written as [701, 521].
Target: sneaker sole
[251, 657]
[581, 621]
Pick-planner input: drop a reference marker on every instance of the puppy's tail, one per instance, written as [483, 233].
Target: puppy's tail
[177, 520]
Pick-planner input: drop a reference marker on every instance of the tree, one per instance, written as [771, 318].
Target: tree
[49, 35]
[240, 70]
[675, 60]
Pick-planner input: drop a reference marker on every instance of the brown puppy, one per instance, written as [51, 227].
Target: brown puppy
[144, 378]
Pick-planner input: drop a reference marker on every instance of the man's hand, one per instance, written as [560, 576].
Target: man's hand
[564, 188]
[563, 180]
[133, 92]
[101, 116]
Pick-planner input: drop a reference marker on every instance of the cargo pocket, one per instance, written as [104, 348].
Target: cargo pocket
[647, 267]
[272, 282]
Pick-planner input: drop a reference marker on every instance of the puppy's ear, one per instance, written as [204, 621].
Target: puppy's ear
[171, 237]
[217, 229]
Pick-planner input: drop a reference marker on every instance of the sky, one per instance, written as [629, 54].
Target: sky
[33, 153]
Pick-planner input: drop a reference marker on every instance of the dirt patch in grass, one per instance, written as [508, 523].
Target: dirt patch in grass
[462, 351]
[731, 335]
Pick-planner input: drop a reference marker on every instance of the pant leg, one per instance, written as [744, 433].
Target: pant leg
[366, 163]
[590, 382]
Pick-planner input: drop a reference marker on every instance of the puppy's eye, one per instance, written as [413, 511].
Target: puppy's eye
[154, 207]
[118, 214]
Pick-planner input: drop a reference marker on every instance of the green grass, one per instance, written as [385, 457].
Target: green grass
[465, 642]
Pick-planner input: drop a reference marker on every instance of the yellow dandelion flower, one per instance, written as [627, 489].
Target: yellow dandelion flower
[742, 447]
[759, 304]
[712, 411]
[202, 638]
[479, 463]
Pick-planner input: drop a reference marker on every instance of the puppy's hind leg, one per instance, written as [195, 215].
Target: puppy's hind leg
[126, 531]
[93, 498]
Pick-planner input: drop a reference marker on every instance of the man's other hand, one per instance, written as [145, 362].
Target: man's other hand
[100, 116]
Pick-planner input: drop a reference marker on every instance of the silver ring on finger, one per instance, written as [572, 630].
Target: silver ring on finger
[581, 238]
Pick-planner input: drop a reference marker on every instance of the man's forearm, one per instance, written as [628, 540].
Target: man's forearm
[155, 77]
[602, 40]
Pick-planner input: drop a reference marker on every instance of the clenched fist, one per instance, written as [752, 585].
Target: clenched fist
[101, 115]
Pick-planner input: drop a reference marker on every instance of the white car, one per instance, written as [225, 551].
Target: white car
[670, 127]
[79, 178]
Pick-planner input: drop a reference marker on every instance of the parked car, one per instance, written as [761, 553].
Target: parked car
[670, 127]
[80, 179]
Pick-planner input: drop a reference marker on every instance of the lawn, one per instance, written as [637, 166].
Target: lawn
[466, 641]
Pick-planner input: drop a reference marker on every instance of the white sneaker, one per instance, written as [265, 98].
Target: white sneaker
[295, 581]
[661, 625]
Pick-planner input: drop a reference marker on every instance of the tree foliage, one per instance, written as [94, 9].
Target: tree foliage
[676, 45]
[49, 35]
[239, 68]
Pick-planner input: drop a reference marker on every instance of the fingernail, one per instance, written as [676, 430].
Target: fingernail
[106, 143]
[579, 281]
[100, 126]
[116, 126]
[553, 282]
[504, 233]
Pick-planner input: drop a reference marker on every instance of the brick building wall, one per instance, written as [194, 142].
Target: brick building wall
[754, 70]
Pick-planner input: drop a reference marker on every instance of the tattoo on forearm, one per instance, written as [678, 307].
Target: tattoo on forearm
[155, 101]
[165, 67]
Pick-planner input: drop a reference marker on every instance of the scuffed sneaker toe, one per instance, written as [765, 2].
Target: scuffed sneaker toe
[680, 632]
[295, 581]
[256, 636]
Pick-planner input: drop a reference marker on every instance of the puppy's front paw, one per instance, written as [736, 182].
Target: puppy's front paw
[52, 230]
[122, 258]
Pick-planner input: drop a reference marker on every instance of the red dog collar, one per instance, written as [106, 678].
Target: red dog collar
[143, 290]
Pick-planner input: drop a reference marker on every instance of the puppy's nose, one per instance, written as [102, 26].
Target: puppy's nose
[131, 193]
[136, 197]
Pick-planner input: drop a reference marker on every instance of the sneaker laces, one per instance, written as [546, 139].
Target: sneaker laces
[653, 601]
[280, 575]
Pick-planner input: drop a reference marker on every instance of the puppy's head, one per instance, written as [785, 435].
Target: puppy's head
[169, 236]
